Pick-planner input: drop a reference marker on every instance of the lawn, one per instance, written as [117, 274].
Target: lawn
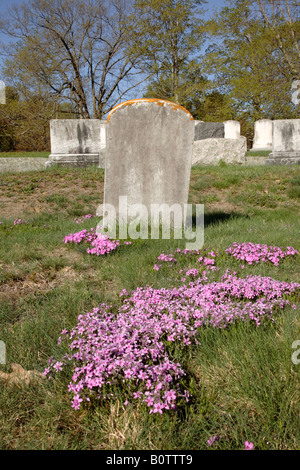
[242, 382]
[21, 154]
[258, 153]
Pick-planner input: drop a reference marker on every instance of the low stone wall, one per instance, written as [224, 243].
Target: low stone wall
[19, 165]
[255, 161]
[212, 151]
[77, 160]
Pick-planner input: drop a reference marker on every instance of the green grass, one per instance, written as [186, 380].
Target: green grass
[258, 153]
[21, 154]
[246, 386]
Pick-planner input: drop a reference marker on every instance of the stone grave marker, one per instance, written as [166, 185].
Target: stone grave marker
[263, 135]
[149, 155]
[213, 151]
[232, 129]
[286, 142]
[209, 130]
[77, 142]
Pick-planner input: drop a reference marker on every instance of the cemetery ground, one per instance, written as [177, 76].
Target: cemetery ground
[243, 383]
[22, 154]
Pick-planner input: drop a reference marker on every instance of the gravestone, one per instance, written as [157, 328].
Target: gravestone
[213, 151]
[232, 129]
[209, 130]
[286, 142]
[149, 154]
[77, 142]
[263, 135]
[2, 93]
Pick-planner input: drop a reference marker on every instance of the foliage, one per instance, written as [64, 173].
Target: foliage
[24, 123]
[254, 60]
[171, 33]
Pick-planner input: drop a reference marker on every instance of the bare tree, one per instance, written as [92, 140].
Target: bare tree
[80, 50]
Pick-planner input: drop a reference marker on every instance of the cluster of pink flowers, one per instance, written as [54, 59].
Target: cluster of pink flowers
[111, 350]
[213, 439]
[166, 259]
[130, 347]
[207, 260]
[255, 253]
[100, 244]
[83, 218]
[19, 221]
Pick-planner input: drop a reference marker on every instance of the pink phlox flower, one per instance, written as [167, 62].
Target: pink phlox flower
[249, 445]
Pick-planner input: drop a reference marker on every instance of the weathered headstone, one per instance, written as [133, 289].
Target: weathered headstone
[263, 135]
[286, 142]
[213, 151]
[149, 154]
[209, 130]
[77, 142]
[2, 93]
[232, 129]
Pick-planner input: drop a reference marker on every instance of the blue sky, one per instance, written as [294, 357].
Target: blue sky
[4, 4]
[210, 6]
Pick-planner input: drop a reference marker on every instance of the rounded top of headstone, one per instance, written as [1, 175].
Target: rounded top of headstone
[157, 101]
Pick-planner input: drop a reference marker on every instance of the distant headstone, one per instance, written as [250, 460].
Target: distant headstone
[77, 142]
[286, 142]
[2, 93]
[149, 154]
[209, 130]
[213, 151]
[232, 129]
[263, 135]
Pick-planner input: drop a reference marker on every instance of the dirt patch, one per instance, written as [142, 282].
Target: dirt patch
[32, 194]
[71, 256]
[36, 282]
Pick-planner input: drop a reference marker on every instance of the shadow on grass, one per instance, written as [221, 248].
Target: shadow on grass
[213, 218]
[217, 217]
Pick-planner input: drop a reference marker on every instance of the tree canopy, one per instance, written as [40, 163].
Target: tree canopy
[82, 57]
[255, 56]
